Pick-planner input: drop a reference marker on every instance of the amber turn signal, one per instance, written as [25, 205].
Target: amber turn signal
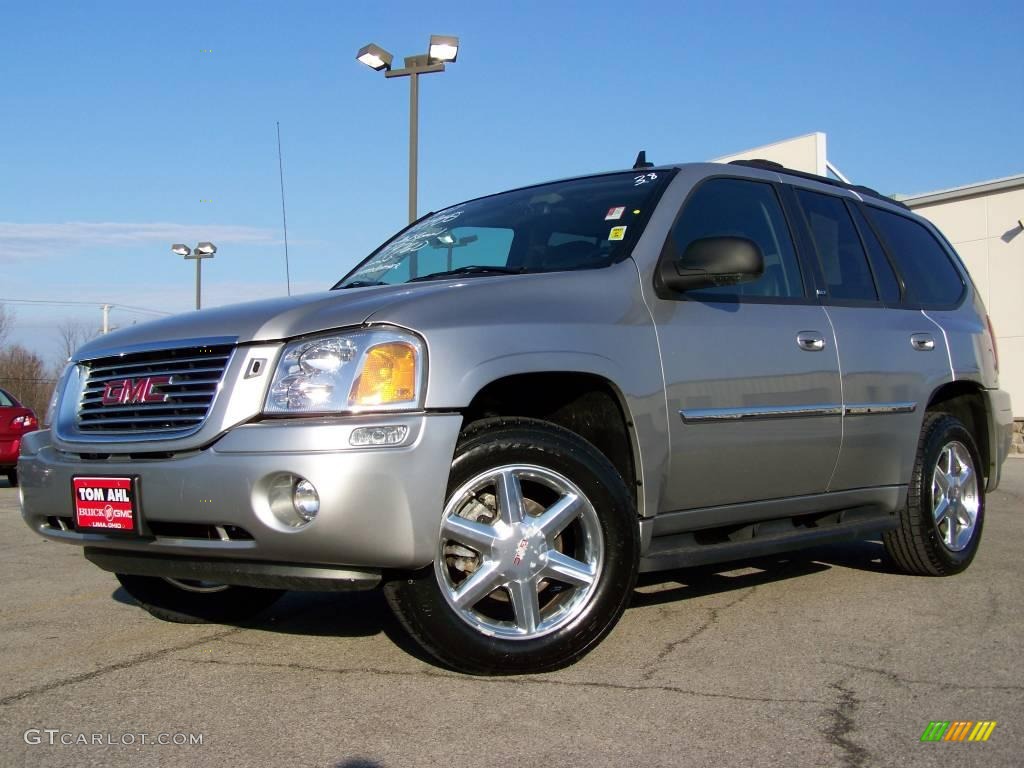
[388, 375]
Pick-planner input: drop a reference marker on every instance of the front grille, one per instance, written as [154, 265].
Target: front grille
[164, 392]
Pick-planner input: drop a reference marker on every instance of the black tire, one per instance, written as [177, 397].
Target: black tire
[169, 602]
[917, 544]
[12, 478]
[423, 608]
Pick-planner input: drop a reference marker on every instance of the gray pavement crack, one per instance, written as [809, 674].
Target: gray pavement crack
[670, 647]
[842, 726]
[126, 664]
[342, 671]
[908, 682]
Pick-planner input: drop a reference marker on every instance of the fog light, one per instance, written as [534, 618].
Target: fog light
[383, 435]
[306, 500]
[294, 500]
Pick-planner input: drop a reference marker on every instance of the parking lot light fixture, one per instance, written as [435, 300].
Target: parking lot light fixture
[204, 250]
[442, 49]
[375, 57]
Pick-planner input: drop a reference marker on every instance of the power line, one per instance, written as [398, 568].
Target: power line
[62, 302]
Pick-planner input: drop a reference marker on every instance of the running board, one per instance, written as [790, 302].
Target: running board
[769, 537]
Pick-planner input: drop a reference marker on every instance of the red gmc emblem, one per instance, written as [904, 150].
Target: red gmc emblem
[128, 391]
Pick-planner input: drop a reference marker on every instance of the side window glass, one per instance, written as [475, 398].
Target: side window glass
[742, 208]
[929, 275]
[885, 278]
[843, 262]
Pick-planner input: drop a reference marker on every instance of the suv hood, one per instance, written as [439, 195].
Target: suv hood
[267, 320]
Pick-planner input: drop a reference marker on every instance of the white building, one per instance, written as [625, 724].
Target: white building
[985, 223]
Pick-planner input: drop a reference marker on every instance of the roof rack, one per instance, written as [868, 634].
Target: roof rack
[771, 165]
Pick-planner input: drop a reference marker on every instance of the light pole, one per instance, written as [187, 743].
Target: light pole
[202, 251]
[443, 48]
[449, 243]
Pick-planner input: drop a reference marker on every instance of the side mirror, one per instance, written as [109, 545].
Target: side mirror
[712, 261]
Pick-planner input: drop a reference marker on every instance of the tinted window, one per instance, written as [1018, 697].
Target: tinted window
[885, 279]
[929, 275]
[5, 401]
[736, 207]
[843, 262]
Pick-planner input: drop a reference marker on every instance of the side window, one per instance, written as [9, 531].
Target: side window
[742, 208]
[885, 278]
[928, 273]
[842, 257]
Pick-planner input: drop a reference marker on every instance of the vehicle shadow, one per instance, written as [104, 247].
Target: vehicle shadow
[366, 614]
[325, 614]
[742, 574]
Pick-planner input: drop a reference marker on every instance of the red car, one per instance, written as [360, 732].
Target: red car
[15, 421]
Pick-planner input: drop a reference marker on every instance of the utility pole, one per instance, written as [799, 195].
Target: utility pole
[106, 318]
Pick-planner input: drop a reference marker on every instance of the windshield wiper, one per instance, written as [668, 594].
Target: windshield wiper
[471, 269]
[361, 284]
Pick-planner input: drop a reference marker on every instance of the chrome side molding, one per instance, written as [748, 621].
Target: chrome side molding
[873, 409]
[707, 415]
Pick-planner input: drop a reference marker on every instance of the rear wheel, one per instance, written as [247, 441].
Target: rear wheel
[536, 557]
[187, 601]
[940, 527]
[12, 478]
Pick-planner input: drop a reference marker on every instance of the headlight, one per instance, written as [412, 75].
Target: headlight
[51, 409]
[371, 370]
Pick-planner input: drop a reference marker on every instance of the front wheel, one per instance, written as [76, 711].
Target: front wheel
[940, 526]
[536, 556]
[186, 601]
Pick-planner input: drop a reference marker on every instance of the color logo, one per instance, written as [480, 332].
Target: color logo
[958, 730]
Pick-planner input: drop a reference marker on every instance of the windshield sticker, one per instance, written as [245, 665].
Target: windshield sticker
[615, 213]
[643, 178]
[617, 233]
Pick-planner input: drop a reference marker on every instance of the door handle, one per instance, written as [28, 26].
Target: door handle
[810, 341]
[922, 342]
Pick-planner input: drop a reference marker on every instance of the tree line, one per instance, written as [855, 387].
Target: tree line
[28, 376]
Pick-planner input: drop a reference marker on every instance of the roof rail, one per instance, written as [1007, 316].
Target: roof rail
[771, 165]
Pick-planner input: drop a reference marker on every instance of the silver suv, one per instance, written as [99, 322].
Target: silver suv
[519, 403]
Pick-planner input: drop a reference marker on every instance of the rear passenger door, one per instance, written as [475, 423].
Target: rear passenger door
[891, 355]
[751, 372]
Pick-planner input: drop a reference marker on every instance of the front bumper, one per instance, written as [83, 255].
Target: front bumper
[379, 507]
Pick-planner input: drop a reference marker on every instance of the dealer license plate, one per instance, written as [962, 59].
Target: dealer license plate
[106, 504]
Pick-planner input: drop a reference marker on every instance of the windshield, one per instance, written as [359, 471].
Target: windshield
[579, 224]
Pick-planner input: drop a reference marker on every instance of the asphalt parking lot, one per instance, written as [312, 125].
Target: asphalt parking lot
[822, 658]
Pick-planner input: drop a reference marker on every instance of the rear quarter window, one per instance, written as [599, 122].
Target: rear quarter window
[928, 273]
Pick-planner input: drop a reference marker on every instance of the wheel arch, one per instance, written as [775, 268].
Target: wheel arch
[966, 401]
[588, 404]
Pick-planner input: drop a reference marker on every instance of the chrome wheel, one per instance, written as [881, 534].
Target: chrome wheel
[955, 499]
[521, 551]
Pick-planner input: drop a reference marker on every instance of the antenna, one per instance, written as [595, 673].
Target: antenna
[284, 218]
[641, 161]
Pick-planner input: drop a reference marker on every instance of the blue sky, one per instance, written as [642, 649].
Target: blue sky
[116, 126]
